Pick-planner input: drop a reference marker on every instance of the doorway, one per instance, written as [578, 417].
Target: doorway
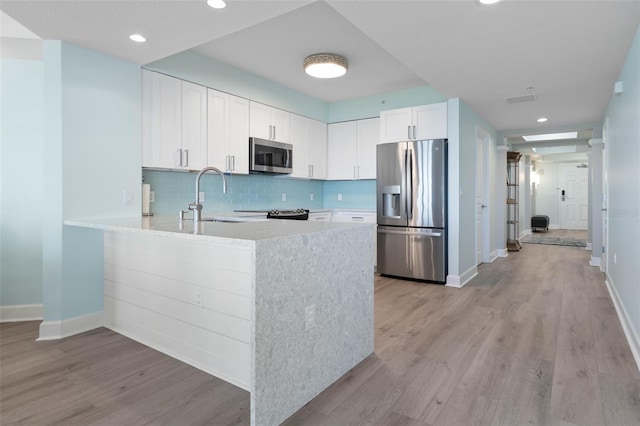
[574, 196]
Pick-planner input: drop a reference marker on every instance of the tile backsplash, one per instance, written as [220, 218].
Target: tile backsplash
[175, 190]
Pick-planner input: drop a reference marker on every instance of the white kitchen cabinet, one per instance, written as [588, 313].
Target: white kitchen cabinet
[228, 132]
[351, 152]
[309, 147]
[174, 123]
[359, 216]
[414, 123]
[267, 122]
[320, 216]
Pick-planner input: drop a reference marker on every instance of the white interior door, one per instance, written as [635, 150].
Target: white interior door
[605, 197]
[479, 198]
[574, 197]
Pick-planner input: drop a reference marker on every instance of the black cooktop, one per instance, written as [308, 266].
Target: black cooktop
[298, 214]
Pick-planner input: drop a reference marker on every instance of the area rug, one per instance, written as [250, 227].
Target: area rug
[539, 238]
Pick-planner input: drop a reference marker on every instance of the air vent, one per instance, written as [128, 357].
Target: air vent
[523, 98]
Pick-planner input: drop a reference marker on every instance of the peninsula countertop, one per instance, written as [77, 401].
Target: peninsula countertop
[251, 230]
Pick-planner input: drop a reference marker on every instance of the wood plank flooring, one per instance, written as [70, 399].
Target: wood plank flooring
[533, 340]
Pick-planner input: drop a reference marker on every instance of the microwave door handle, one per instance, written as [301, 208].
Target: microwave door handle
[286, 157]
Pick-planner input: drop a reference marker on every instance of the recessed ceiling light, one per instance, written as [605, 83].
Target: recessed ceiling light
[551, 137]
[137, 38]
[325, 65]
[217, 4]
[542, 119]
[489, 1]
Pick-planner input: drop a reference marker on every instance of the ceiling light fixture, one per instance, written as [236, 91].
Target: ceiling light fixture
[489, 1]
[542, 120]
[137, 38]
[551, 137]
[325, 65]
[217, 4]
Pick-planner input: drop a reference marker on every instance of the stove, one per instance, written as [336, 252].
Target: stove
[298, 214]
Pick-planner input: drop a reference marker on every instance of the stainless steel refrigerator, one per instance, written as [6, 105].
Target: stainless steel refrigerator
[412, 209]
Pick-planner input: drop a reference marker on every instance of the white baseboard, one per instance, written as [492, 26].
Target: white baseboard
[525, 233]
[595, 261]
[627, 326]
[502, 252]
[15, 313]
[493, 256]
[52, 330]
[588, 247]
[459, 281]
[554, 226]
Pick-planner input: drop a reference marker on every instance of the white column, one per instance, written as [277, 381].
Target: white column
[595, 175]
[501, 199]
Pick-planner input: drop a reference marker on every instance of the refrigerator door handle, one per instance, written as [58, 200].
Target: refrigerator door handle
[409, 168]
[421, 233]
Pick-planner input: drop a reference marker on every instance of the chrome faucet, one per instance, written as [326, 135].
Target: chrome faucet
[196, 207]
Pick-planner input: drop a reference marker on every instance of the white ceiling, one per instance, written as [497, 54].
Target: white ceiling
[569, 51]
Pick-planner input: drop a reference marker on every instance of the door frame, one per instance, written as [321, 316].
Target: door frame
[486, 183]
[562, 212]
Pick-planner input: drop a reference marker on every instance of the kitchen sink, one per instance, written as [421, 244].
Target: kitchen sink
[233, 219]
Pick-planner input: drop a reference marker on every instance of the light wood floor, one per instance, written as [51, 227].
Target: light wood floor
[533, 340]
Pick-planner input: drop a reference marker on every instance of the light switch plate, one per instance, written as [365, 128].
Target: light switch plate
[152, 196]
[127, 197]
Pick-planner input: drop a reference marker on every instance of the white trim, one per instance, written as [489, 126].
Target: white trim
[502, 252]
[524, 233]
[627, 325]
[493, 256]
[554, 226]
[459, 281]
[595, 261]
[52, 330]
[588, 247]
[14, 313]
[505, 147]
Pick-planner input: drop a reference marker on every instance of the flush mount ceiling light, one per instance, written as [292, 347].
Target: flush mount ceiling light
[217, 4]
[137, 38]
[489, 1]
[551, 137]
[325, 65]
[542, 120]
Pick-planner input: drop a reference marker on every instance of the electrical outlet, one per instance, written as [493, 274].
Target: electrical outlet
[127, 197]
[152, 196]
[311, 196]
[201, 197]
[284, 197]
[339, 197]
[309, 317]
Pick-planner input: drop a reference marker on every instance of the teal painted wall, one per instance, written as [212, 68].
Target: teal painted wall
[623, 148]
[92, 147]
[21, 180]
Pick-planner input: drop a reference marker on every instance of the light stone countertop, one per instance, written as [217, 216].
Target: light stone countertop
[252, 230]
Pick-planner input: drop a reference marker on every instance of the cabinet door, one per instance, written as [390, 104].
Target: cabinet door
[317, 153]
[194, 126]
[167, 122]
[430, 121]
[218, 129]
[299, 137]
[341, 151]
[395, 125]
[280, 121]
[260, 120]
[367, 138]
[239, 135]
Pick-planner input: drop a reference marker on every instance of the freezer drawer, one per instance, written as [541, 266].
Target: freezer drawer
[416, 253]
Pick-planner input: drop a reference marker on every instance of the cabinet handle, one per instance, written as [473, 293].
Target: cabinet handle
[358, 171]
[179, 152]
[226, 163]
[357, 218]
[409, 132]
[354, 172]
[233, 163]
[186, 155]
[312, 170]
[414, 132]
[274, 133]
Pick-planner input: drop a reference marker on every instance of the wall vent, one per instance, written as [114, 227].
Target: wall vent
[523, 98]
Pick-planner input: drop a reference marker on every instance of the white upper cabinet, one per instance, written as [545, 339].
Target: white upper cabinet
[309, 140]
[415, 123]
[267, 122]
[228, 132]
[351, 152]
[174, 123]
[317, 151]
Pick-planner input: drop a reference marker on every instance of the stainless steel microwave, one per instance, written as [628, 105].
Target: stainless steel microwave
[267, 156]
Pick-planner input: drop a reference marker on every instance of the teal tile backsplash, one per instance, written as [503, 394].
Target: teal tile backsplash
[175, 190]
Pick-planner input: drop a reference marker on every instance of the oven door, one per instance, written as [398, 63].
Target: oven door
[270, 156]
